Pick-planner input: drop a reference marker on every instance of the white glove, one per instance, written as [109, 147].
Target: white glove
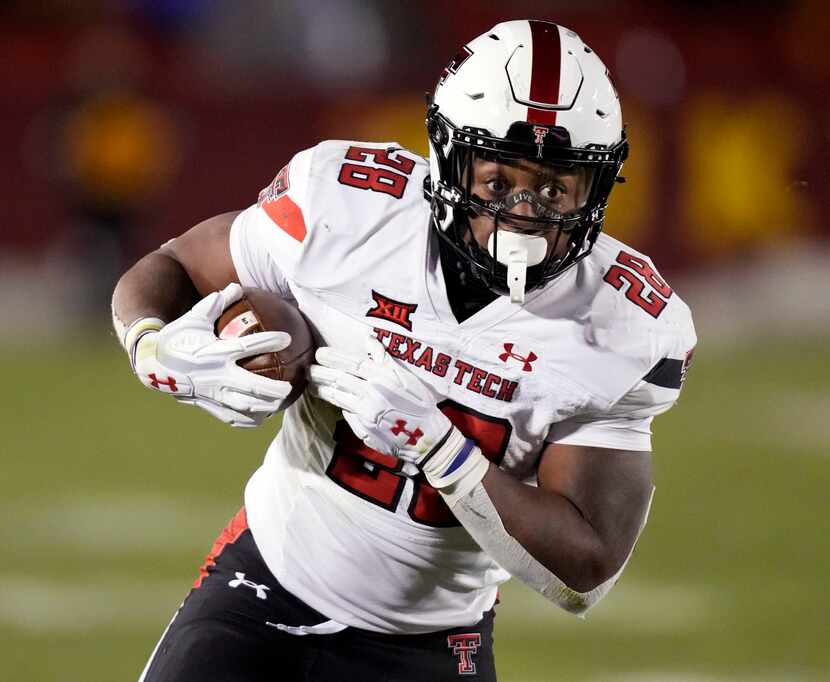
[185, 359]
[393, 411]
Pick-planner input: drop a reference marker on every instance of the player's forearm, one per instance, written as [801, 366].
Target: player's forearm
[552, 529]
[156, 286]
[513, 521]
[479, 516]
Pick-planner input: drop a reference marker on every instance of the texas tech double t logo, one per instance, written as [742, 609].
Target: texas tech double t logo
[464, 646]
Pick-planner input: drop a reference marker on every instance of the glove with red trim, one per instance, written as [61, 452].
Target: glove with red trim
[391, 410]
[186, 359]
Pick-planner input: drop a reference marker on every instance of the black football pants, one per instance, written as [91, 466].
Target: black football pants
[226, 631]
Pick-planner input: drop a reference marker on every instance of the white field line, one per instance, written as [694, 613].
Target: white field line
[636, 608]
[41, 606]
[115, 524]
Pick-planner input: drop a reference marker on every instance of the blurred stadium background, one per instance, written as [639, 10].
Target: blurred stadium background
[126, 121]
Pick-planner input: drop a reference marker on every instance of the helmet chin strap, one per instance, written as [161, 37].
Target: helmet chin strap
[518, 252]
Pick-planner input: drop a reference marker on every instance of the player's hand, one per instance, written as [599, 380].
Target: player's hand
[187, 360]
[388, 407]
[393, 411]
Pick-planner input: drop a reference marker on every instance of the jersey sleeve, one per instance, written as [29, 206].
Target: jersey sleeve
[267, 238]
[618, 433]
[626, 425]
[253, 264]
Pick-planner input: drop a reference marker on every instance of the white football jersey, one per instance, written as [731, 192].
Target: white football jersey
[344, 230]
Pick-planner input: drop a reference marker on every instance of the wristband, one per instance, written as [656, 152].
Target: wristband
[134, 333]
[455, 466]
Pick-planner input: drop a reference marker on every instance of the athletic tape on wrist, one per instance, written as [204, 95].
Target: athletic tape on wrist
[455, 466]
[462, 456]
[129, 334]
[468, 477]
[138, 330]
[437, 463]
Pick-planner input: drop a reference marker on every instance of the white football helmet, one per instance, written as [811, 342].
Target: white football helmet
[524, 90]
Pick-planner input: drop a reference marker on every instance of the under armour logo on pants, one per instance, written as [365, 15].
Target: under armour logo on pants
[240, 580]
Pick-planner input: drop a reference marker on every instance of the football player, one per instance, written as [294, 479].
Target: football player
[490, 365]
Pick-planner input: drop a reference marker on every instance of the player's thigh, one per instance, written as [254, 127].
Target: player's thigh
[212, 650]
[221, 634]
[225, 629]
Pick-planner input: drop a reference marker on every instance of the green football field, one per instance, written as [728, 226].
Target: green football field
[112, 495]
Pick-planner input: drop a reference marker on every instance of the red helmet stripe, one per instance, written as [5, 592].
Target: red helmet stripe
[544, 80]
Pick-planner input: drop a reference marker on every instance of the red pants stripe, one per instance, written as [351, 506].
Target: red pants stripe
[236, 526]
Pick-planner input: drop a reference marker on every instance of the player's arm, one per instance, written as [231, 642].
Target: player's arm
[164, 311]
[570, 537]
[581, 522]
[167, 282]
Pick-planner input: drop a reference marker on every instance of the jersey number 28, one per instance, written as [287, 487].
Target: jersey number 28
[638, 273]
[377, 478]
[389, 176]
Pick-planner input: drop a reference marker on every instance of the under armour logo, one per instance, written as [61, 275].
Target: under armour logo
[464, 646]
[400, 427]
[508, 353]
[170, 382]
[394, 311]
[240, 580]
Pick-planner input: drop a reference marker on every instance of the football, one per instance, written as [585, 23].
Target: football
[259, 310]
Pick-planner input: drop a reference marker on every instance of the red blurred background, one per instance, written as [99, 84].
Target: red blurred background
[125, 122]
